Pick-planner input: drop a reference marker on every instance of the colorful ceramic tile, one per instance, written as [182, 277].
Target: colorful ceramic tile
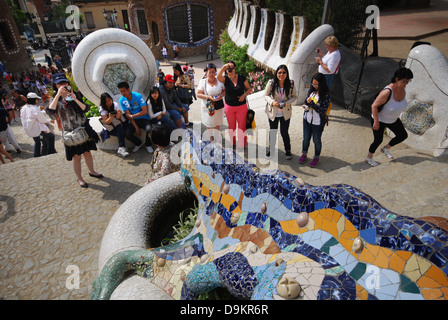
[260, 233]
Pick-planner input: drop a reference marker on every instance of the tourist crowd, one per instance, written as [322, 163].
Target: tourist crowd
[150, 122]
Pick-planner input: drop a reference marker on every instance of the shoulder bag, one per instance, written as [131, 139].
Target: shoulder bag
[76, 137]
[217, 105]
[115, 123]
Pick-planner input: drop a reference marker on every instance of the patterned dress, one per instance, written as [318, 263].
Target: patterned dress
[161, 164]
[72, 117]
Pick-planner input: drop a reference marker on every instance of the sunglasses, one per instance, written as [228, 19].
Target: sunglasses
[211, 66]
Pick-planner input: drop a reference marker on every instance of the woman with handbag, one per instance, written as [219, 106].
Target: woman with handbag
[211, 92]
[330, 62]
[235, 107]
[78, 136]
[113, 120]
[183, 85]
[279, 96]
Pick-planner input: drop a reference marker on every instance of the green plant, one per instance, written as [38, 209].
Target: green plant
[229, 51]
[258, 80]
[19, 15]
[187, 219]
[93, 112]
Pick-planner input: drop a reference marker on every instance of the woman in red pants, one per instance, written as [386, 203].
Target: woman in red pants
[235, 105]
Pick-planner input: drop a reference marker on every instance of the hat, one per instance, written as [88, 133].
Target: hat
[32, 95]
[59, 77]
[169, 78]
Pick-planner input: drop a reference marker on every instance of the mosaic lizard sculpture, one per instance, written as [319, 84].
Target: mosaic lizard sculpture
[268, 236]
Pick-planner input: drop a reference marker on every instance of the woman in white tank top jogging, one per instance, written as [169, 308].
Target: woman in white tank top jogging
[392, 102]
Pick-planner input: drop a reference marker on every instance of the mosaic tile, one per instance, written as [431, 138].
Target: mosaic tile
[349, 248]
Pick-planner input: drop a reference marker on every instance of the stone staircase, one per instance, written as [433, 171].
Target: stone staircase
[412, 184]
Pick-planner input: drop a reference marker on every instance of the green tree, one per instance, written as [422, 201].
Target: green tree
[229, 51]
[19, 15]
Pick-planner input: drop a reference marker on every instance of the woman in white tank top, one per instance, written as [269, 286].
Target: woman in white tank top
[393, 100]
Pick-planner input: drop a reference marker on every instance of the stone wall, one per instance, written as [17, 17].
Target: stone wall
[12, 52]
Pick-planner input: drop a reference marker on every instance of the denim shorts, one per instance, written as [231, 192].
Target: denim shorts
[176, 115]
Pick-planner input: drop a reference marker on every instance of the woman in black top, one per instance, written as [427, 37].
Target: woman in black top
[235, 105]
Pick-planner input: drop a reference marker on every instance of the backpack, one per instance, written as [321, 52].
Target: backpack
[388, 98]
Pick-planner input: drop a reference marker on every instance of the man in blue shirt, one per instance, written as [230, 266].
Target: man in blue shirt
[136, 110]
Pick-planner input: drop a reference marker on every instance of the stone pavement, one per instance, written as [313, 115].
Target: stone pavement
[50, 228]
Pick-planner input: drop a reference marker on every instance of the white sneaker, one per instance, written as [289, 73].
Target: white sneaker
[122, 152]
[149, 149]
[136, 148]
[372, 162]
[387, 153]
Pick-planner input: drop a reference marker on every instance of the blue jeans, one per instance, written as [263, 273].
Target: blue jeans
[165, 120]
[176, 115]
[329, 78]
[315, 131]
[44, 141]
[119, 133]
[142, 123]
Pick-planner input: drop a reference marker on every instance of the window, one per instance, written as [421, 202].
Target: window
[142, 25]
[6, 37]
[188, 23]
[89, 20]
[155, 33]
[199, 17]
[178, 23]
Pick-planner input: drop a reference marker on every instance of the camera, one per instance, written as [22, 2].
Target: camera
[69, 89]
[282, 104]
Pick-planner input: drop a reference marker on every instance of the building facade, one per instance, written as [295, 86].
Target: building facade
[103, 14]
[193, 25]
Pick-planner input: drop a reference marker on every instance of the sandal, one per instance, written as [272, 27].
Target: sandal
[387, 153]
[98, 176]
[372, 162]
[83, 185]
